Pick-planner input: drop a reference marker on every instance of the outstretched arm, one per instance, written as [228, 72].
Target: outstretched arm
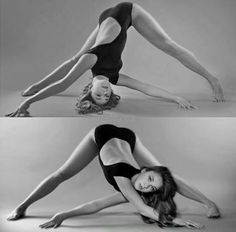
[85, 62]
[87, 208]
[153, 91]
[133, 197]
[145, 158]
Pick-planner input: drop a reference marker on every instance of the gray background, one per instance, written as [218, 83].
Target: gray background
[37, 36]
[200, 150]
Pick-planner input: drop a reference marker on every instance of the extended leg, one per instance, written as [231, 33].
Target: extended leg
[192, 193]
[82, 155]
[150, 29]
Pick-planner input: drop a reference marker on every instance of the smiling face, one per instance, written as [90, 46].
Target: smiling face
[101, 90]
[148, 181]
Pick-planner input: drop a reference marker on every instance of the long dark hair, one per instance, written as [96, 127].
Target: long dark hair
[86, 104]
[161, 200]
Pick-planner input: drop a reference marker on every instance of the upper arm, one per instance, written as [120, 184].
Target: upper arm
[130, 193]
[143, 156]
[86, 62]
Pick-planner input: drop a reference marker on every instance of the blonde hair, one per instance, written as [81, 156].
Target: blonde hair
[86, 104]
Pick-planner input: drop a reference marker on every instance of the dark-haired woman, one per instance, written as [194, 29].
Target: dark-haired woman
[151, 190]
[102, 54]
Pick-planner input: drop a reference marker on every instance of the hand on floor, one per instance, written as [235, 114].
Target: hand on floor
[54, 222]
[21, 111]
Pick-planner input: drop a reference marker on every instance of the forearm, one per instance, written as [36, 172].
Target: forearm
[47, 92]
[149, 212]
[58, 73]
[154, 91]
[80, 210]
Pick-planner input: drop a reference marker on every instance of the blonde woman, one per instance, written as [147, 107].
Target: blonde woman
[102, 54]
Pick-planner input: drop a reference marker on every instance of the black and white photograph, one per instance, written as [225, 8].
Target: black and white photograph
[117, 115]
[65, 58]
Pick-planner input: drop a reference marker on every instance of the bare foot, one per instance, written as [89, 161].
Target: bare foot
[30, 91]
[16, 214]
[217, 90]
[213, 211]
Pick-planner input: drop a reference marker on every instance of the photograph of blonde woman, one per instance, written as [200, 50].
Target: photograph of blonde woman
[119, 23]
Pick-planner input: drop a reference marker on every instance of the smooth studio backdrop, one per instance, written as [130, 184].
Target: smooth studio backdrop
[37, 36]
[200, 150]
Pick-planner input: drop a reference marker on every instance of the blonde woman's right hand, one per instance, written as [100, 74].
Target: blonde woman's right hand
[22, 111]
[54, 222]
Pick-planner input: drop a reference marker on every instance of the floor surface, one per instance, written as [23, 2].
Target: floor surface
[115, 219]
[132, 103]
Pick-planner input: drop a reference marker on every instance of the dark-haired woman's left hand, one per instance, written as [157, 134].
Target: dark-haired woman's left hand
[187, 223]
[54, 222]
[22, 111]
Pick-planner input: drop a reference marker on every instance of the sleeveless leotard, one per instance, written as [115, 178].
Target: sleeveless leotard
[108, 55]
[103, 134]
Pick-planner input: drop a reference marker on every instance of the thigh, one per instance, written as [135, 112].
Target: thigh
[143, 156]
[147, 25]
[83, 154]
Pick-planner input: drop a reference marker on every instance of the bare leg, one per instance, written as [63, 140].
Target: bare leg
[63, 69]
[145, 159]
[150, 29]
[82, 155]
[192, 193]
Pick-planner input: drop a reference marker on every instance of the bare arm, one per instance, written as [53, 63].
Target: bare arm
[145, 158]
[85, 62]
[133, 197]
[153, 91]
[87, 208]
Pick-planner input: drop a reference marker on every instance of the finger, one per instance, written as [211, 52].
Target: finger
[13, 114]
[45, 225]
[51, 224]
[18, 114]
[8, 115]
[57, 225]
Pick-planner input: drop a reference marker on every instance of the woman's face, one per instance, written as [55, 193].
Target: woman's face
[148, 181]
[101, 90]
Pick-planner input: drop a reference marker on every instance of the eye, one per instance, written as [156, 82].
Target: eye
[98, 95]
[153, 189]
[150, 178]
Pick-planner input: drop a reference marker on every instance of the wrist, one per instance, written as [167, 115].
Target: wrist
[29, 101]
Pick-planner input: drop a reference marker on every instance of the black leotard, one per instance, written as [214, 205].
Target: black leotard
[102, 135]
[108, 55]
